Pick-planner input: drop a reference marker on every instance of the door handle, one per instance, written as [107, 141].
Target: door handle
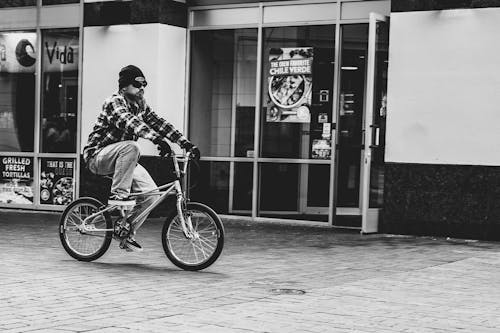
[375, 136]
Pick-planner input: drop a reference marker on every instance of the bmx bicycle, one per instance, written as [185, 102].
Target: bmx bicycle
[192, 235]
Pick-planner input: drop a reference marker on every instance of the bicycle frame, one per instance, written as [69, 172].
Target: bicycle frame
[172, 186]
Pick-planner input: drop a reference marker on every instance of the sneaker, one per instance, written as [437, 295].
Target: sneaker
[132, 245]
[116, 200]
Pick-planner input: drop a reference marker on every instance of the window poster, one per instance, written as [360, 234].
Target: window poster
[290, 85]
[17, 52]
[16, 180]
[321, 149]
[56, 181]
[60, 51]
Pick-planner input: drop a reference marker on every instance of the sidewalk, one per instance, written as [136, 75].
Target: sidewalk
[352, 283]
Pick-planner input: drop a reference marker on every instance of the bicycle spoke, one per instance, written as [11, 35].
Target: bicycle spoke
[206, 228]
[177, 222]
[195, 253]
[207, 243]
[177, 237]
[207, 231]
[197, 224]
[76, 216]
[87, 242]
[202, 250]
[199, 249]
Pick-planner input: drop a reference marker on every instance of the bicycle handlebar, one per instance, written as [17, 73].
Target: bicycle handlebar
[186, 161]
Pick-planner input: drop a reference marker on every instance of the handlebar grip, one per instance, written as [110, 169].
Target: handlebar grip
[164, 150]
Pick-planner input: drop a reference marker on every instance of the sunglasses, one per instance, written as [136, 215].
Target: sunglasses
[139, 82]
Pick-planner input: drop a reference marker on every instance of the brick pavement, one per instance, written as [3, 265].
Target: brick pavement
[353, 283]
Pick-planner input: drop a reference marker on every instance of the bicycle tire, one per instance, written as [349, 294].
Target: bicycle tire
[93, 205]
[217, 234]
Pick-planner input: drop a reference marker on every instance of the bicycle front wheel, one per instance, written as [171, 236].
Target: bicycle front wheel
[91, 242]
[200, 249]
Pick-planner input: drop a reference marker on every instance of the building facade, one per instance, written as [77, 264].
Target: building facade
[354, 114]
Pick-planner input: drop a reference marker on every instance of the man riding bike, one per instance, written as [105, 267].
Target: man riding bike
[112, 145]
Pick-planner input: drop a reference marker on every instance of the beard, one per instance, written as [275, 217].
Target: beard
[137, 96]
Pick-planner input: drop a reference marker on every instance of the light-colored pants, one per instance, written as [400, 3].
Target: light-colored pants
[120, 159]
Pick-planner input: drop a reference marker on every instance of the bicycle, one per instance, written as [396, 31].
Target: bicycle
[192, 235]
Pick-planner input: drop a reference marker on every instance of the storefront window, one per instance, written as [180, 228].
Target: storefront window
[351, 104]
[295, 147]
[222, 95]
[242, 188]
[17, 91]
[298, 67]
[17, 3]
[60, 90]
[294, 191]
[58, 2]
[211, 185]
[58, 117]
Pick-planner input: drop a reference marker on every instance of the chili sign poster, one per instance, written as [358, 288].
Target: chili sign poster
[16, 180]
[56, 181]
[290, 85]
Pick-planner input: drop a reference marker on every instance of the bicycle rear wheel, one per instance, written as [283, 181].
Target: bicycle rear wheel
[85, 245]
[204, 248]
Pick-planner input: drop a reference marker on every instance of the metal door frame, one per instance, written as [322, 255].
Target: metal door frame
[369, 216]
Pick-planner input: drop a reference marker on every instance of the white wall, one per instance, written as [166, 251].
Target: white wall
[157, 49]
[444, 87]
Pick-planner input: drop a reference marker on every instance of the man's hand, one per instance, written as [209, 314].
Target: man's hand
[195, 152]
[164, 148]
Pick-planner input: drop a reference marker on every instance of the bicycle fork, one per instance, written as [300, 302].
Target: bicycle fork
[187, 226]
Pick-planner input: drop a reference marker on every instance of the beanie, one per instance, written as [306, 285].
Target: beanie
[128, 74]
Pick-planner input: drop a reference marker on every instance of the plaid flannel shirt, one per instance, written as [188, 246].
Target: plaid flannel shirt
[121, 119]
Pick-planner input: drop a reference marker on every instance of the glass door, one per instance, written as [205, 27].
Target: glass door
[295, 152]
[372, 175]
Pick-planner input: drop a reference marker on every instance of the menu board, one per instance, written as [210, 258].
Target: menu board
[16, 180]
[290, 85]
[57, 181]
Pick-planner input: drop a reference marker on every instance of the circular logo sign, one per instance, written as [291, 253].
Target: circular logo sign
[24, 50]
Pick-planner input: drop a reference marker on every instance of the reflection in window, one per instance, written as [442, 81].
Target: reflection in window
[60, 90]
[351, 104]
[242, 188]
[222, 95]
[379, 115]
[17, 91]
[211, 185]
